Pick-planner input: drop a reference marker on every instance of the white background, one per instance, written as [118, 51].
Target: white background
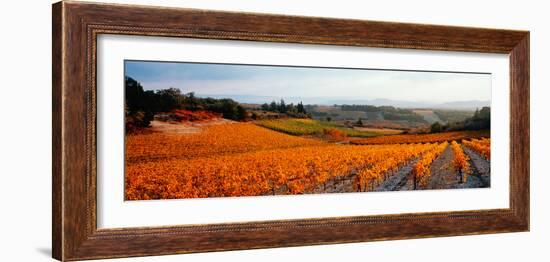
[25, 136]
[113, 212]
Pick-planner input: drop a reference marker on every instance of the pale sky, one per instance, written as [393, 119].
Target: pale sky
[278, 81]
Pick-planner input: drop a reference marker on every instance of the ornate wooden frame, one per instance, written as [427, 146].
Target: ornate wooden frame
[76, 26]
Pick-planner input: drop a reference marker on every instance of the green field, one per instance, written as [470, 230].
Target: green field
[299, 127]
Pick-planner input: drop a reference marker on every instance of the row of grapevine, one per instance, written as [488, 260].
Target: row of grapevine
[379, 171]
[421, 138]
[460, 162]
[212, 140]
[297, 170]
[421, 170]
[242, 159]
[481, 146]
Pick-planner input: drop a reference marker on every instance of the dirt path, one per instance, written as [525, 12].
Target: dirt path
[481, 168]
[442, 174]
[399, 181]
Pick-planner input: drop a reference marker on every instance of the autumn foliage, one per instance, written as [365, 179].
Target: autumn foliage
[248, 161]
[460, 162]
[388, 164]
[334, 134]
[244, 159]
[421, 170]
[215, 140]
[198, 115]
[421, 138]
[481, 146]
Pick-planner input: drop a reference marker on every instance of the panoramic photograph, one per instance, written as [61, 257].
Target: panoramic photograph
[209, 130]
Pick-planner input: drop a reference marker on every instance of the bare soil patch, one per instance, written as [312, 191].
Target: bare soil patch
[185, 127]
[429, 116]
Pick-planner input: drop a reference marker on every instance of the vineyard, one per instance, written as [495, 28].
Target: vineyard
[422, 138]
[215, 140]
[244, 159]
[460, 163]
[481, 146]
[421, 171]
[310, 127]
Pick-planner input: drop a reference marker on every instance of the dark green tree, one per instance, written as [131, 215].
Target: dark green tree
[436, 127]
[273, 106]
[169, 99]
[282, 106]
[300, 108]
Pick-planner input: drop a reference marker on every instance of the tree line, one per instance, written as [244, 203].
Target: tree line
[281, 107]
[479, 121]
[142, 105]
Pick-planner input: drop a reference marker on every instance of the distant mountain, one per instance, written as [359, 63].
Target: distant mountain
[472, 104]
[252, 99]
[464, 104]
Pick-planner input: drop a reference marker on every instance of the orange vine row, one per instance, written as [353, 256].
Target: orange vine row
[421, 170]
[460, 162]
[481, 146]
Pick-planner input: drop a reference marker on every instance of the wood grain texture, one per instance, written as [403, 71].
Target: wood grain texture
[75, 29]
[519, 129]
[57, 195]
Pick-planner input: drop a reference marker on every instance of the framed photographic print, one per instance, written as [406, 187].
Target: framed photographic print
[183, 130]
